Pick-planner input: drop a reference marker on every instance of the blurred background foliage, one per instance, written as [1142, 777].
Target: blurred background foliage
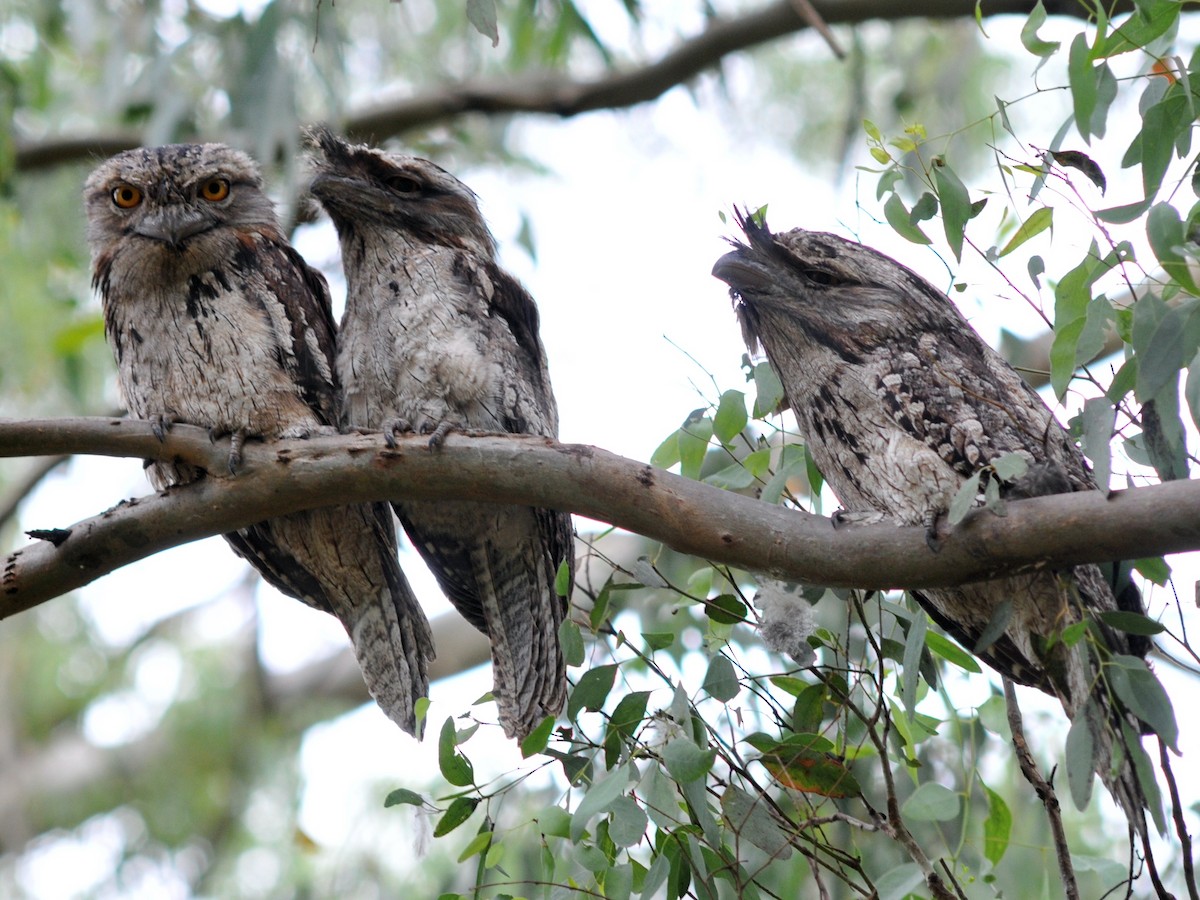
[172, 760]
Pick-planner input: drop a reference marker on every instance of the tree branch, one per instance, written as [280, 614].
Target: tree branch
[557, 94]
[688, 516]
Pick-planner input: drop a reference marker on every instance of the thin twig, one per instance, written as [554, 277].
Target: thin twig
[1044, 790]
[805, 10]
[1185, 839]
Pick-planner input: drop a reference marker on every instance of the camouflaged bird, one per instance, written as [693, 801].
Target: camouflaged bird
[216, 321]
[900, 402]
[437, 337]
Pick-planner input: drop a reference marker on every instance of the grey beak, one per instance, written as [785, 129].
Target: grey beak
[173, 225]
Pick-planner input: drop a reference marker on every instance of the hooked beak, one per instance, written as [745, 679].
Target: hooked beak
[173, 225]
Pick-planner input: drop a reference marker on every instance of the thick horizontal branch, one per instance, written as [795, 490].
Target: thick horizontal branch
[688, 516]
[560, 95]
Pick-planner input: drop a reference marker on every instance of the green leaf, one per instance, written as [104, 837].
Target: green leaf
[872, 131]
[956, 207]
[721, 681]
[1131, 622]
[914, 646]
[769, 397]
[1147, 23]
[403, 796]
[731, 416]
[1082, 79]
[562, 579]
[997, 827]
[901, 221]
[1144, 696]
[694, 436]
[598, 798]
[996, 626]
[456, 768]
[1029, 33]
[1099, 416]
[752, 822]
[964, 500]
[809, 710]
[1009, 466]
[1191, 389]
[537, 740]
[628, 822]
[905, 879]
[1080, 753]
[459, 811]
[658, 640]
[811, 772]
[478, 844]
[1165, 230]
[735, 477]
[592, 689]
[1155, 569]
[571, 640]
[1041, 219]
[950, 651]
[1063, 352]
[482, 16]
[554, 821]
[667, 453]
[932, 802]
[726, 609]
[687, 762]
[629, 713]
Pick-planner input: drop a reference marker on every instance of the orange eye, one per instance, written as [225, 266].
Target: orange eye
[126, 196]
[215, 190]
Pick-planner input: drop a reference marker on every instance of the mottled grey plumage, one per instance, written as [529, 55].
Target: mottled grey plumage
[216, 321]
[900, 402]
[438, 337]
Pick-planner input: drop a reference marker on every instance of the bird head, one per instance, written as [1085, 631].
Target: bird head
[169, 196]
[365, 189]
[820, 288]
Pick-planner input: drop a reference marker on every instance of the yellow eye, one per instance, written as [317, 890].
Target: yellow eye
[215, 190]
[126, 196]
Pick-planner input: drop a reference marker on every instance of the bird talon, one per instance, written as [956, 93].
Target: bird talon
[237, 440]
[932, 540]
[159, 426]
[438, 436]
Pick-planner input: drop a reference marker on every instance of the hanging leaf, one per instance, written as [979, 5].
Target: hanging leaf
[721, 681]
[1074, 159]
[997, 827]
[482, 16]
[591, 690]
[731, 416]
[751, 821]
[1041, 219]
[459, 811]
[1143, 694]
[1080, 753]
[811, 772]
[956, 207]
[1029, 33]
[964, 500]
[932, 802]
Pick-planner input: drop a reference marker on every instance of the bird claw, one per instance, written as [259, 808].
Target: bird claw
[397, 426]
[438, 435]
[237, 440]
[932, 540]
[159, 425]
